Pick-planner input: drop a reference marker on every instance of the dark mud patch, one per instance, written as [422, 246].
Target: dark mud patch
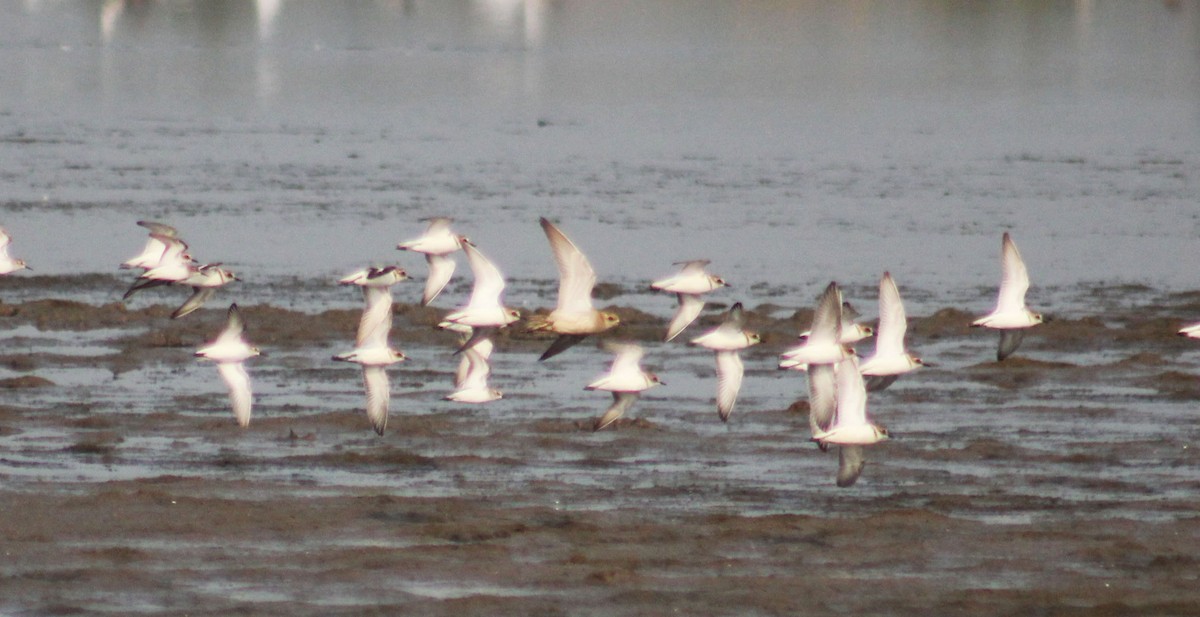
[1018, 372]
[102, 443]
[375, 458]
[1175, 385]
[25, 381]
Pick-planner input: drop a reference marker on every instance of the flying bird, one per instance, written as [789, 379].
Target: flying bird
[890, 359]
[473, 386]
[485, 310]
[8, 265]
[204, 281]
[687, 285]
[823, 344]
[574, 317]
[152, 253]
[371, 350]
[230, 351]
[625, 379]
[1011, 317]
[438, 243]
[726, 341]
[848, 428]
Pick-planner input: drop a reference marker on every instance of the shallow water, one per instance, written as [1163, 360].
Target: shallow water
[791, 143]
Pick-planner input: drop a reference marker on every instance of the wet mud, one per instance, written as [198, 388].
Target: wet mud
[1060, 481]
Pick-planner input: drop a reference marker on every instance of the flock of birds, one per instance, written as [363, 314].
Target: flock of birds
[838, 381]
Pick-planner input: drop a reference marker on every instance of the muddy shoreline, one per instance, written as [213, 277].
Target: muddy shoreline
[995, 498]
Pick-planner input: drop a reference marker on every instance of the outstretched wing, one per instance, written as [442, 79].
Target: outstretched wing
[238, 381]
[893, 322]
[827, 319]
[850, 465]
[378, 394]
[729, 382]
[622, 401]
[822, 397]
[441, 268]
[1014, 281]
[689, 309]
[576, 276]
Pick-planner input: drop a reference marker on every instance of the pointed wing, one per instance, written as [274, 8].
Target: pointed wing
[234, 326]
[376, 320]
[161, 229]
[5, 240]
[1015, 278]
[576, 277]
[1010, 339]
[729, 382]
[851, 394]
[441, 269]
[689, 309]
[622, 401]
[893, 322]
[489, 282]
[827, 319]
[822, 397]
[849, 313]
[378, 394]
[876, 383]
[561, 344]
[850, 465]
[235, 377]
[735, 319]
[199, 296]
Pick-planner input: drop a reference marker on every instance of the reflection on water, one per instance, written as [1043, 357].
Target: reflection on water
[847, 51]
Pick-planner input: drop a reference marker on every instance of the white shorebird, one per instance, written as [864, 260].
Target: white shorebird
[823, 344]
[852, 331]
[726, 340]
[1010, 316]
[438, 243]
[574, 317]
[483, 347]
[8, 265]
[849, 427]
[1192, 331]
[687, 285]
[152, 254]
[625, 379]
[204, 281]
[470, 378]
[174, 266]
[484, 311]
[473, 387]
[230, 350]
[890, 359]
[371, 349]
